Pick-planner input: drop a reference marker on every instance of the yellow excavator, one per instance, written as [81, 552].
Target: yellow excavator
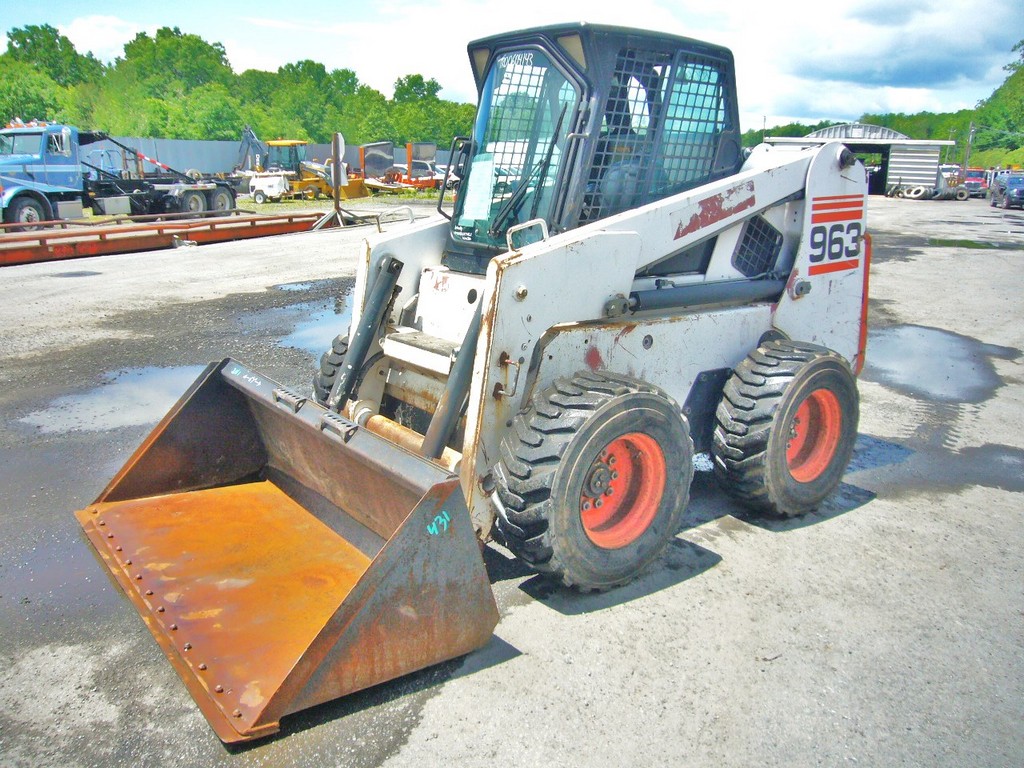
[618, 286]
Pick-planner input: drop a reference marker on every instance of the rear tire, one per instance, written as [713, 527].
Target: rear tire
[786, 427]
[221, 199]
[192, 201]
[330, 364]
[593, 478]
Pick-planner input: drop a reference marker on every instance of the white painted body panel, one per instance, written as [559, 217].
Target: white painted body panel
[544, 306]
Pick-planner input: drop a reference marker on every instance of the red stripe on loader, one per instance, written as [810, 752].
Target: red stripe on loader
[821, 218]
[833, 266]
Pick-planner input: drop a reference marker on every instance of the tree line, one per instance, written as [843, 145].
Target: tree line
[177, 85]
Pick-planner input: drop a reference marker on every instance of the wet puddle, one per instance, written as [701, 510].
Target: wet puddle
[316, 334]
[932, 364]
[129, 398]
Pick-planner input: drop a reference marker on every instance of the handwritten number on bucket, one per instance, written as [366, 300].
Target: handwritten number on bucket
[439, 524]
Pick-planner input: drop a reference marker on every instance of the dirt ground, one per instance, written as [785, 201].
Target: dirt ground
[885, 629]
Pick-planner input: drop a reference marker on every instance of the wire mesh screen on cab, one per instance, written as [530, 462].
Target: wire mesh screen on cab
[661, 127]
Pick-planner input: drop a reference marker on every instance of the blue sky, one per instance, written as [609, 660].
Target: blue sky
[801, 60]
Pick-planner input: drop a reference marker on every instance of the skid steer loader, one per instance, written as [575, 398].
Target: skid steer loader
[618, 287]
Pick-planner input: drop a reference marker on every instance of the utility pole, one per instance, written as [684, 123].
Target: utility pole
[967, 151]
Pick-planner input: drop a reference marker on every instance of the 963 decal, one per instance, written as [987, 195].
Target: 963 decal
[836, 234]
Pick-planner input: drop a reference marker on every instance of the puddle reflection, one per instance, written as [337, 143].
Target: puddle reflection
[129, 398]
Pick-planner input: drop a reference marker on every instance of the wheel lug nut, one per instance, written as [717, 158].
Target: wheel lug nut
[599, 503]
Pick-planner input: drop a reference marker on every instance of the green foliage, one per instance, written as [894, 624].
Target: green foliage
[174, 63]
[178, 85]
[51, 53]
[790, 130]
[26, 92]
[412, 88]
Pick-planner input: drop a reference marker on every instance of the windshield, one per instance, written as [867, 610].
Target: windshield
[20, 143]
[527, 108]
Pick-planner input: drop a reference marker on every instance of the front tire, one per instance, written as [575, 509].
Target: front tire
[786, 427]
[25, 210]
[593, 478]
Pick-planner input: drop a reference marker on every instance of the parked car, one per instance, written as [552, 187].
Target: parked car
[1008, 191]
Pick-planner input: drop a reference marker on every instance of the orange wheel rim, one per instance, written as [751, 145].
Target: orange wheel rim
[814, 435]
[622, 491]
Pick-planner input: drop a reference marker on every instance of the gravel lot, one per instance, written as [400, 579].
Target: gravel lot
[885, 629]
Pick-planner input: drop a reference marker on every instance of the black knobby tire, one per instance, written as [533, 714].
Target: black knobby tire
[785, 427]
[330, 364]
[593, 477]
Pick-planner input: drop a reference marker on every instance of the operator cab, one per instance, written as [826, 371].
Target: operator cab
[286, 155]
[579, 122]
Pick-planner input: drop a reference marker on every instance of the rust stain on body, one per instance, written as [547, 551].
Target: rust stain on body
[718, 207]
[593, 358]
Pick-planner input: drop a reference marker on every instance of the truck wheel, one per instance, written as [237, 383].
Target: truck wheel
[330, 364]
[785, 427]
[221, 199]
[192, 201]
[962, 193]
[24, 210]
[593, 478]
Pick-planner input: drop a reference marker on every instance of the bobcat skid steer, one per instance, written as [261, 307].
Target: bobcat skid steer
[617, 287]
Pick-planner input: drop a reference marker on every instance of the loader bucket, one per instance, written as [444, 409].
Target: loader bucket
[282, 556]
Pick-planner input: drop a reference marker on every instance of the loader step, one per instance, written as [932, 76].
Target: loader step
[422, 350]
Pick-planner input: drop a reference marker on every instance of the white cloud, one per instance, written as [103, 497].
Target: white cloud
[103, 36]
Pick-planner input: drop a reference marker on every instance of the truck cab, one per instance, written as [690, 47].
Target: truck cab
[39, 172]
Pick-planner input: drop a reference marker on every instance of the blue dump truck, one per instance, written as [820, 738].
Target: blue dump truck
[47, 174]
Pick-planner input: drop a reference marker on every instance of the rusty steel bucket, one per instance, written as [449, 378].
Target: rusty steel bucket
[283, 557]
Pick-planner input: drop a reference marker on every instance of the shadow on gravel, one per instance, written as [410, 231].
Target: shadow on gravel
[681, 560]
[366, 703]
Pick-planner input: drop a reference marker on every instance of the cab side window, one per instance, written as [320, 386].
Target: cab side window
[59, 143]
